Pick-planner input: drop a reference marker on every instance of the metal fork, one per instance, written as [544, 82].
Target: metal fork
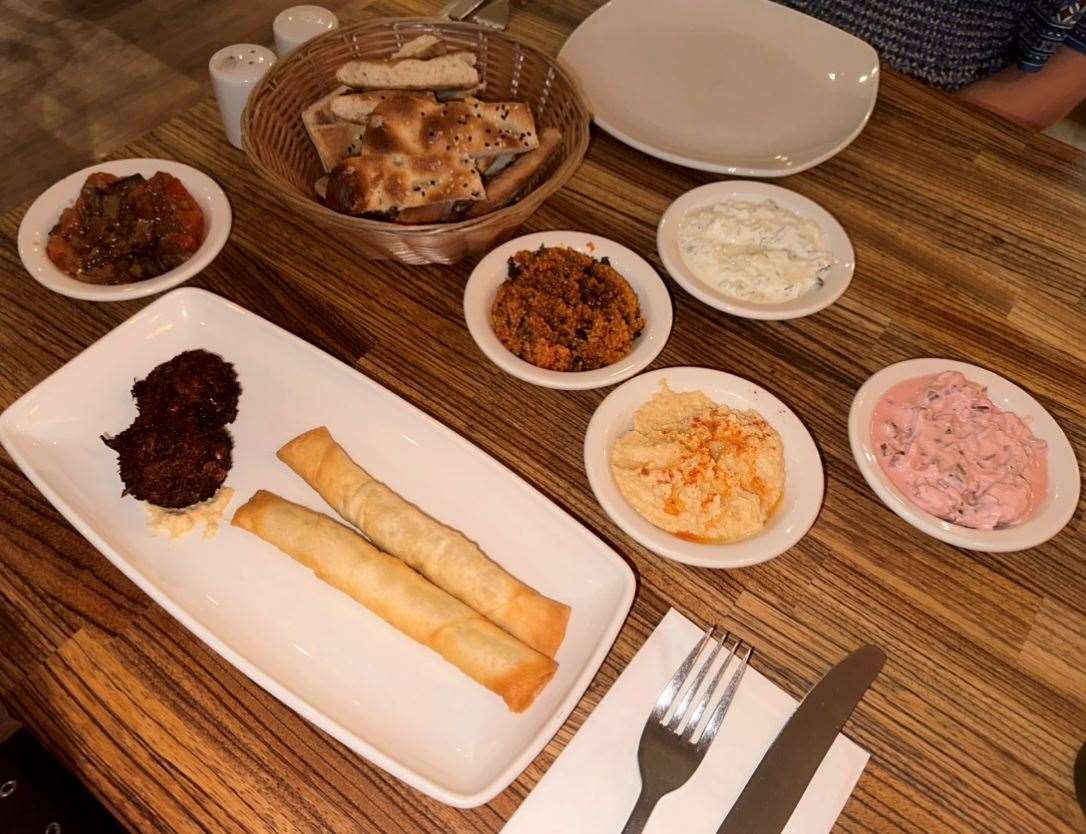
[669, 754]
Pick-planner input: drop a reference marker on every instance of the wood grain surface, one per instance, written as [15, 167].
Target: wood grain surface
[969, 243]
[80, 79]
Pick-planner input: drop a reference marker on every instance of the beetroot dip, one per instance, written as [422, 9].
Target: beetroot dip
[953, 453]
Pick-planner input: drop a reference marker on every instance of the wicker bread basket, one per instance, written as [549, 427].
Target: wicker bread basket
[280, 150]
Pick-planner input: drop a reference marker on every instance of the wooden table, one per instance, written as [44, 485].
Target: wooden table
[969, 242]
[61, 115]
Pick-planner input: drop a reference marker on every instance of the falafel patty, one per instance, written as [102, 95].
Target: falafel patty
[177, 452]
[172, 463]
[195, 384]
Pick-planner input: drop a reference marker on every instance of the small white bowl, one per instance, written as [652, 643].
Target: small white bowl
[45, 211]
[803, 487]
[835, 280]
[492, 271]
[1063, 472]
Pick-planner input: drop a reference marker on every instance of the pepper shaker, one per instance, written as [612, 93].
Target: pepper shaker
[294, 26]
[235, 71]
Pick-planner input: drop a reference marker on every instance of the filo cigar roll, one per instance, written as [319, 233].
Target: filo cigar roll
[401, 597]
[443, 555]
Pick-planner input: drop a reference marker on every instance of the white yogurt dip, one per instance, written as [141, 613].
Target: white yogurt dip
[753, 251]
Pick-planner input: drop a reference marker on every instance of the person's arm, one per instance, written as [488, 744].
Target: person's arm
[1035, 99]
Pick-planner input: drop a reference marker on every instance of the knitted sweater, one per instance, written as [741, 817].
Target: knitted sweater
[951, 43]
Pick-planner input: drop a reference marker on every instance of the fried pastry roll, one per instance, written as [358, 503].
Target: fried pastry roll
[443, 555]
[401, 597]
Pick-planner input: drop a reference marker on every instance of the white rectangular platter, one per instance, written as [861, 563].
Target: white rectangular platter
[391, 700]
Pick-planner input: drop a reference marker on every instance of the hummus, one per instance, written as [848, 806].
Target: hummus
[700, 470]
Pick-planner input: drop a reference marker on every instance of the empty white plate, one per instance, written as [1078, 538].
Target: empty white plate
[803, 486]
[742, 87]
[834, 238]
[318, 651]
[1063, 473]
[45, 211]
[492, 271]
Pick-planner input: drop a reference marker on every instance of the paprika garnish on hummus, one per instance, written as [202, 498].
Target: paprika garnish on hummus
[700, 470]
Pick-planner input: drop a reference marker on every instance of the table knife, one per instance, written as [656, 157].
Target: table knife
[459, 9]
[772, 793]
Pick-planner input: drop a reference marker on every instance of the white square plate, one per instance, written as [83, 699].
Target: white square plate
[325, 656]
[739, 87]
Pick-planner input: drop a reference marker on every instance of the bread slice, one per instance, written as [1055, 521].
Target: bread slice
[320, 111]
[512, 180]
[454, 95]
[357, 107]
[480, 129]
[333, 138]
[453, 71]
[492, 165]
[424, 46]
[435, 213]
[383, 182]
[336, 142]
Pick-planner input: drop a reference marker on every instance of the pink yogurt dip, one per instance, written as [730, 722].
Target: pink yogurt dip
[950, 451]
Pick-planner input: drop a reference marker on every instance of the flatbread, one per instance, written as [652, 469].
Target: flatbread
[357, 107]
[320, 112]
[507, 184]
[333, 139]
[406, 125]
[383, 182]
[452, 95]
[454, 71]
[495, 164]
[434, 213]
[424, 46]
[336, 142]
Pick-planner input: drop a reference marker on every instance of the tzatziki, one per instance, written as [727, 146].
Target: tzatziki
[753, 251]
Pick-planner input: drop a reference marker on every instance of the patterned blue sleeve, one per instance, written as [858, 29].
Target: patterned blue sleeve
[1077, 39]
[1046, 26]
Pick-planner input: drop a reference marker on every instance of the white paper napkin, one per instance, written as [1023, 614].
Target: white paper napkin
[594, 782]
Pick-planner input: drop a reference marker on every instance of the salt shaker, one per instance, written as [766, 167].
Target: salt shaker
[235, 71]
[296, 25]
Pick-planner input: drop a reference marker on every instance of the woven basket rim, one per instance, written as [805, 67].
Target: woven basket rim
[533, 198]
